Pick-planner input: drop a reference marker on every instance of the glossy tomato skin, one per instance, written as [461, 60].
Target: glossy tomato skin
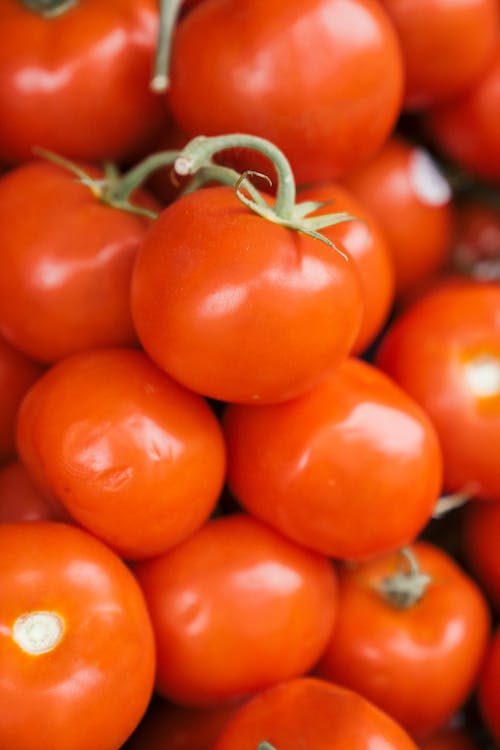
[488, 692]
[342, 94]
[236, 608]
[17, 373]
[324, 468]
[479, 534]
[366, 244]
[446, 44]
[394, 656]
[66, 263]
[444, 350]
[314, 714]
[404, 190]
[78, 83]
[238, 308]
[104, 660]
[135, 458]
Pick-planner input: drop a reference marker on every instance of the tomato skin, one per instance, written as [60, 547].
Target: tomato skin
[309, 467]
[21, 500]
[135, 458]
[314, 714]
[69, 258]
[238, 308]
[407, 196]
[450, 738]
[105, 660]
[78, 83]
[236, 608]
[446, 45]
[488, 692]
[444, 350]
[479, 534]
[476, 244]
[342, 95]
[395, 657]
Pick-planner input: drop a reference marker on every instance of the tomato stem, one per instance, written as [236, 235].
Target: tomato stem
[49, 8]
[137, 175]
[169, 13]
[406, 587]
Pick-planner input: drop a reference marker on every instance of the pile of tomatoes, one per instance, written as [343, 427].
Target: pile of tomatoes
[249, 374]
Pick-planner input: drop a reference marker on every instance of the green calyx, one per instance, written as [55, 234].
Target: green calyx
[407, 586]
[49, 8]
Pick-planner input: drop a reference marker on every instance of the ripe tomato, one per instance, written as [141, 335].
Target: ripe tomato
[411, 200]
[313, 714]
[446, 44]
[238, 308]
[17, 374]
[76, 644]
[396, 655]
[293, 72]
[69, 258]
[479, 535]
[488, 690]
[235, 608]
[476, 244]
[325, 468]
[135, 458]
[444, 350]
[21, 500]
[366, 244]
[77, 82]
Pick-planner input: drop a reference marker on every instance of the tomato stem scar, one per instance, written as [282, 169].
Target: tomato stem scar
[406, 587]
[38, 632]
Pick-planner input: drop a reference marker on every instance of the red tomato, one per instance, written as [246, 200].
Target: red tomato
[367, 246]
[476, 245]
[313, 714]
[17, 374]
[325, 468]
[69, 259]
[76, 645]
[444, 350]
[135, 458]
[78, 82]
[236, 608]
[21, 500]
[396, 656]
[450, 738]
[293, 72]
[480, 532]
[465, 129]
[446, 44]
[411, 200]
[488, 689]
[238, 308]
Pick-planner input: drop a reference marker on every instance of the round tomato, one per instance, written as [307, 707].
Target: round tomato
[394, 650]
[21, 500]
[325, 468]
[293, 72]
[489, 687]
[313, 714]
[238, 308]
[411, 200]
[444, 350]
[236, 608]
[77, 82]
[479, 535]
[136, 459]
[76, 644]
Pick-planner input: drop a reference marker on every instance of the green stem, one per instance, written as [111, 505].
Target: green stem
[137, 175]
[169, 13]
[49, 8]
[406, 587]
[224, 176]
[265, 746]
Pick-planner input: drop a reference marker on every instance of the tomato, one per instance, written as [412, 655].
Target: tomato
[17, 374]
[21, 500]
[476, 244]
[450, 738]
[69, 258]
[444, 350]
[395, 655]
[465, 128]
[238, 308]
[293, 72]
[479, 534]
[410, 198]
[367, 246]
[488, 692]
[236, 608]
[446, 44]
[313, 714]
[76, 645]
[135, 458]
[78, 82]
[350, 469]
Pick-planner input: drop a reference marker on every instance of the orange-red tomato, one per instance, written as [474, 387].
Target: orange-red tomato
[21, 500]
[76, 644]
[488, 689]
[236, 608]
[136, 458]
[410, 198]
[325, 468]
[396, 655]
[479, 535]
[313, 714]
[444, 350]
